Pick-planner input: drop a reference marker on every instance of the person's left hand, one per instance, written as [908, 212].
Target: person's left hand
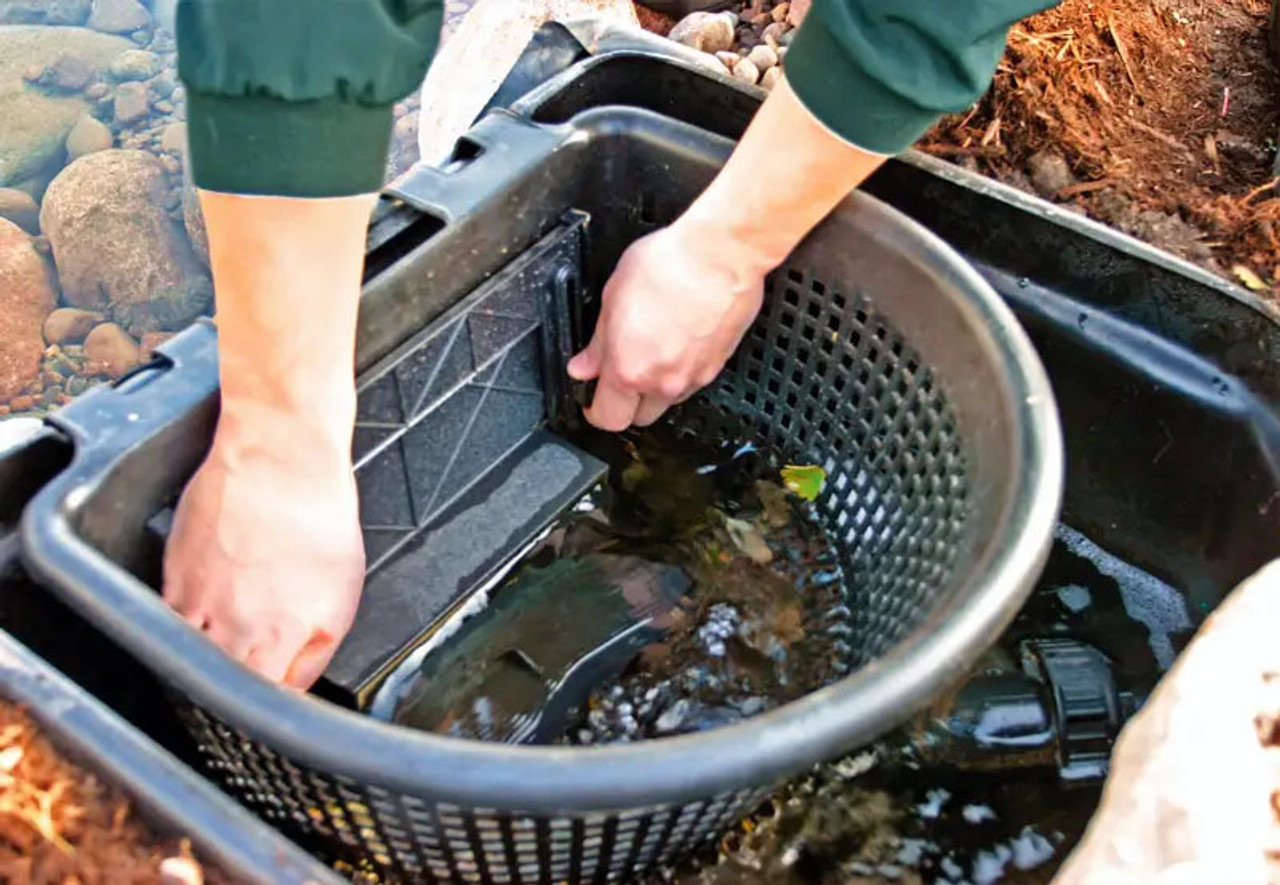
[672, 314]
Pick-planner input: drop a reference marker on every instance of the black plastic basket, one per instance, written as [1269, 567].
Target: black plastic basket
[880, 355]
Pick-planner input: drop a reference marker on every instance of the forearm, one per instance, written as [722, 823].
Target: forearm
[761, 217]
[287, 273]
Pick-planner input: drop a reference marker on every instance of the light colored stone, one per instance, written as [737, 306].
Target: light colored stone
[772, 35]
[33, 123]
[763, 57]
[113, 348]
[115, 247]
[705, 31]
[20, 208]
[86, 137]
[798, 10]
[69, 72]
[69, 325]
[746, 72]
[728, 59]
[770, 78]
[779, 12]
[96, 91]
[135, 64]
[44, 12]
[119, 16]
[174, 138]
[1049, 172]
[132, 102]
[26, 297]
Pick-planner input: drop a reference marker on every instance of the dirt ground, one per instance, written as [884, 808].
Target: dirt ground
[60, 825]
[1158, 117]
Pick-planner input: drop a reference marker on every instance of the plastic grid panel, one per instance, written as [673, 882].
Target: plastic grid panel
[823, 379]
[413, 839]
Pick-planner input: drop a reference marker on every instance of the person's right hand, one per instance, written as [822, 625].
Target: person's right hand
[266, 555]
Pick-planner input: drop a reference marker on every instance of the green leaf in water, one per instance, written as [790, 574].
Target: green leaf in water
[804, 480]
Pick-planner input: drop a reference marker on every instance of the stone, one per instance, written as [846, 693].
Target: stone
[164, 84]
[162, 106]
[26, 297]
[69, 325]
[113, 348]
[69, 72]
[22, 403]
[779, 12]
[770, 78]
[116, 249]
[704, 31]
[1049, 173]
[746, 72]
[33, 123]
[763, 57]
[44, 12]
[96, 91]
[135, 64]
[119, 16]
[20, 208]
[132, 102]
[773, 34]
[192, 216]
[728, 59]
[759, 20]
[149, 342]
[86, 137]
[174, 138]
[142, 37]
[798, 10]
[171, 165]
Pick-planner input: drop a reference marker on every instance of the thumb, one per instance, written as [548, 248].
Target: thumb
[586, 365]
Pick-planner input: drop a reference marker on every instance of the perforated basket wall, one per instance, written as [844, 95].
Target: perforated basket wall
[822, 379]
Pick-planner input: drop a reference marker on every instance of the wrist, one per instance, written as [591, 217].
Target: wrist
[733, 244]
[309, 429]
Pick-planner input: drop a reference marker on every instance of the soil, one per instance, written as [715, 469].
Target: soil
[61, 825]
[1165, 113]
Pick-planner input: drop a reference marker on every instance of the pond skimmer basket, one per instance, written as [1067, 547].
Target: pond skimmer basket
[879, 354]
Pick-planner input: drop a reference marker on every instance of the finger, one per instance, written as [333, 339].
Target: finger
[651, 408]
[613, 407]
[586, 364]
[310, 663]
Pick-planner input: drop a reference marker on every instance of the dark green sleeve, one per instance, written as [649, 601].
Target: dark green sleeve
[293, 97]
[880, 72]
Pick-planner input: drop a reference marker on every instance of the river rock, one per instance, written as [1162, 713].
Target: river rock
[88, 136]
[135, 64]
[797, 11]
[1049, 172]
[132, 102]
[174, 138]
[773, 34]
[70, 72]
[746, 71]
[705, 31]
[33, 123]
[115, 247]
[119, 16]
[26, 297]
[96, 91]
[44, 12]
[149, 342]
[763, 57]
[164, 84]
[770, 78]
[69, 325]
[112, 348]
[20, 208]
[192, 216]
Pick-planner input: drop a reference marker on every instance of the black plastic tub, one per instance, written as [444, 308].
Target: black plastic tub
[893, 365]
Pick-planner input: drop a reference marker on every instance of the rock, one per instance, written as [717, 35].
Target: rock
[69, 72]
[135, 64]
[86, 137]
[779, 12]
[174, 138]
[162, 106]
[132, 102]
[22, 403]
[116, 249]
[772, 35]
[69, 325]
[728, 59]
[20, 208]
[149, 342]
[171, 165]
[142, 38]
[164, 84]
[112, 347]
[1049, 173]
[193, 217]
[1239, 149]
[118, 16]
[799, 9]
[96, 91]
[763, 57]
[761, 19]
[746, 71]
[44, 12]
[26, 297]
[705, 31]
[33, 123]
[771, 77]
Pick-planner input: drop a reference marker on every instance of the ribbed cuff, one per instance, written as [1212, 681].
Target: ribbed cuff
[271, 147]
[854, 105]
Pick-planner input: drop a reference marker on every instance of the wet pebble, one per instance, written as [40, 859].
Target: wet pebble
[96, 91]
[70, 324]
[131, 102]
[746, 71]
[763, 57]
[119, 17]
[164, 85]
[20, 208]
[69, 72]
[113, 347]
[163, 107]
[88, 136]
[706, 31]
[135, 64]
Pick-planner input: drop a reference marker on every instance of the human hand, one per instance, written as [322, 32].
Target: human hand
[1190, 796]
[266, 555]
[671, 316]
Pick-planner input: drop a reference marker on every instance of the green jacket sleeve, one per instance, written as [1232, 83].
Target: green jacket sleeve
[880, 72]
[293, 97]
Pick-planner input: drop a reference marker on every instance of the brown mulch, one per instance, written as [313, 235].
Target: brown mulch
[1166, 112]
[63, 826]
